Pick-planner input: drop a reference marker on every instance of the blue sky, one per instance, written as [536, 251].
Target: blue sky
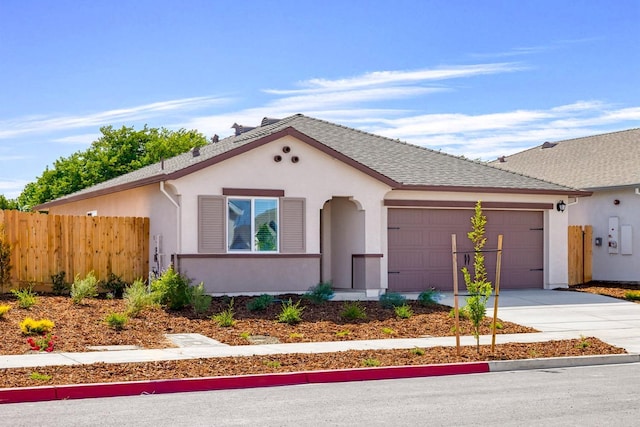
[474, 78]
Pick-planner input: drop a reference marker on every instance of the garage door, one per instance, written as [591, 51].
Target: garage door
[420, 248]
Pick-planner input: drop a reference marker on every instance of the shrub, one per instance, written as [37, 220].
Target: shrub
[291, 313]
[371, 362]
[403, 311]
[4, 309]
[225, 319]
[116, 321]
[320, 293]
[172, 289]
[429, 297]
[260, 303]
[84, 288]
[137, 298]
[200, 302]
[392, 299]
[26, 297]
[114, 285]
[5, 259]
[59, 287]
[31, 326]
[463, 313]
[632, 295]
[353, 311]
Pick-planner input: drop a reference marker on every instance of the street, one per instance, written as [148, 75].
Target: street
[588, 396]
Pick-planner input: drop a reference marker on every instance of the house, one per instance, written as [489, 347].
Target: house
[292, 202]
[607, 165]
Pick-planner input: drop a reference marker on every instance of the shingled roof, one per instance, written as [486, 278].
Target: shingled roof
[590, 163]
[396, 163]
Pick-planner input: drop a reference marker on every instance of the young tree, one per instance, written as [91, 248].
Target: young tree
[478, 287]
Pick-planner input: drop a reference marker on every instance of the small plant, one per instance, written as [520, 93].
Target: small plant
[583, 343]
[172, 289]
[260, 303]
[3, 310]
[31, 326]
[291, 313]
[37, 376]
[59, 287]
[343, 333]
[137, 298]
[429, 297]
[200, 301]
[392, 299]
[499, 325]
[84, 288]
[225, 319]
[45, 343]
[370, 362]
[116, 321]
[388, 331]
[113, 285]
[272, 364]
[353, 311]
[320, 293]
[296, 335]
[26, 297]
[245, 335]
[418, 351]
[403, 311]
[463, 313]
[632, 295]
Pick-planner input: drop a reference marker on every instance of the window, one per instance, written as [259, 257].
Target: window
[252, 224]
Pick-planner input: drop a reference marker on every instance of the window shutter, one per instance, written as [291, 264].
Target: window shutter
[292, 225]
[211, 224]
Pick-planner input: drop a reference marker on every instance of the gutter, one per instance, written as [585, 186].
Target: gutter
[178, 217]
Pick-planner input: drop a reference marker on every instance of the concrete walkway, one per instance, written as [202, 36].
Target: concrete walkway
[557, 314]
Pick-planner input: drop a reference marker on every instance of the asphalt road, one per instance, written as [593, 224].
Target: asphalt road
[588, 396]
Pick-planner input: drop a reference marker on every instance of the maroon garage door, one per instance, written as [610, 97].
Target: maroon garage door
[420, 248]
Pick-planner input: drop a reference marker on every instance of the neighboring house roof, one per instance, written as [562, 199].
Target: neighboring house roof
[590, 163]
[398, 164]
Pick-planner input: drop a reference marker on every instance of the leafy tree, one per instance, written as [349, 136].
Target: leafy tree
[6, 204]
[116, 152]
[478, 287]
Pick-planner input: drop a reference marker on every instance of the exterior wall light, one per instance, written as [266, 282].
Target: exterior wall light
[561, 205]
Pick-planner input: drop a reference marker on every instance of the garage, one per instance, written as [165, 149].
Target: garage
[420, 247]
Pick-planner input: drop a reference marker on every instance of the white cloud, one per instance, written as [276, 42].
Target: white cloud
[83, 139]
[11, 188]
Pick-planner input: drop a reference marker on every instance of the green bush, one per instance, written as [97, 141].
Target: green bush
[84, 288]
[392, 299]
[116, 321]
[225, 319]
[429, 297]
[26, 297]
[632, 295]
[137, 298]
[114, 285]
[260, 303]
[291, 313]
[59, 287]
[403, 311]
[200, 302]
[353, 310]
[173, 289]
[320, 293]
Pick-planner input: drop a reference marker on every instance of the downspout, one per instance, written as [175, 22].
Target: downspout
[178, 216]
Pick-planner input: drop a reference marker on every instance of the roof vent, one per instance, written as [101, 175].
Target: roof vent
[196, 151]
[215, 138]
[268, 121]
[549, 144]
[502, 159]
[241, 129]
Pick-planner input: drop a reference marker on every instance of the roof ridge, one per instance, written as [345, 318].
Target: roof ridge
[599, 135]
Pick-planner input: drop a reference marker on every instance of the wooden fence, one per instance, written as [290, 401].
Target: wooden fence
[580, 254]
[44, 245]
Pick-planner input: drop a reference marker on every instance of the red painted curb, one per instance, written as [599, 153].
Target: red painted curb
[84, 391]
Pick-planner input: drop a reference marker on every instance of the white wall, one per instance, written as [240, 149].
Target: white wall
[595, 211]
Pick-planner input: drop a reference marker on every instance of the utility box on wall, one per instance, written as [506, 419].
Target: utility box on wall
[613, 235]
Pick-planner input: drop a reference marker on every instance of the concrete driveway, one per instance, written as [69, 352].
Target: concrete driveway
[612, 320]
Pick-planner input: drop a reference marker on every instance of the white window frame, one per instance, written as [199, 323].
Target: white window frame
[253, 249]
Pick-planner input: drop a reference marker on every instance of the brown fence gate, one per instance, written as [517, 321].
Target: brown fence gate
[580, 254]
[44, 245]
